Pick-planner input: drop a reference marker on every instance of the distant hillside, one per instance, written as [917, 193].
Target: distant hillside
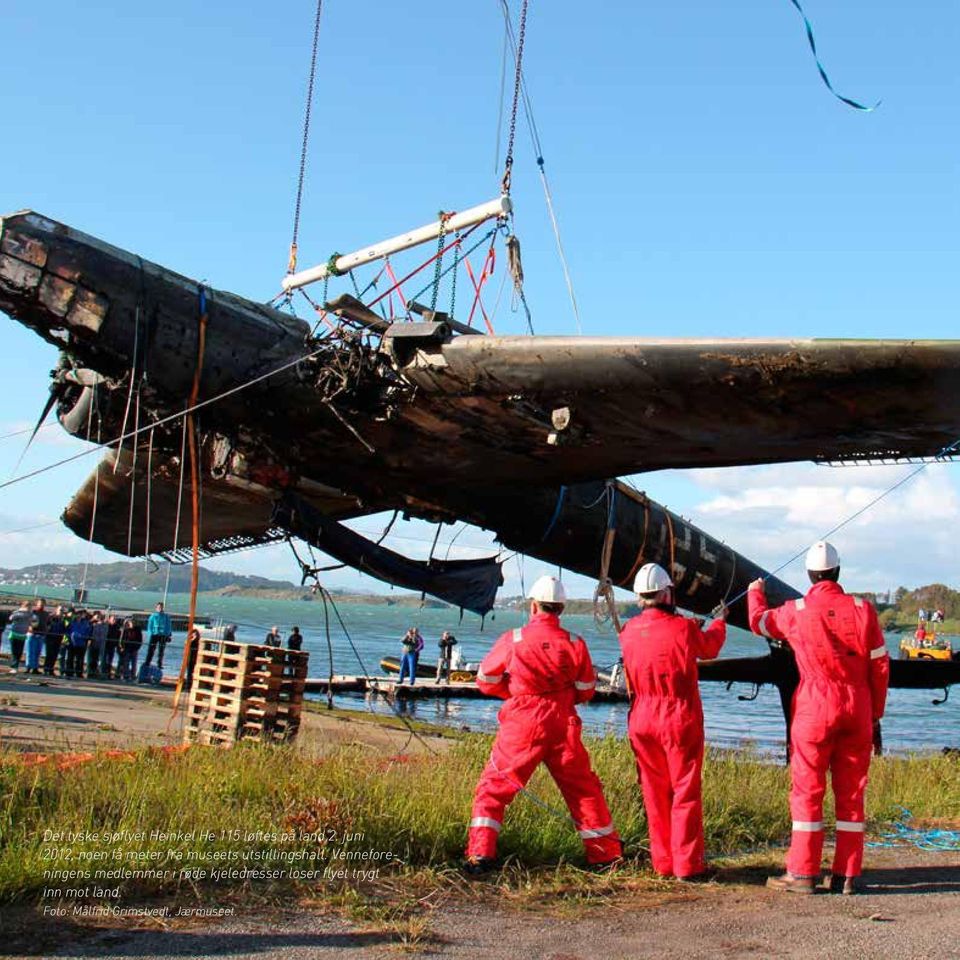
[900, 610]
[306, 594]
[132, 575]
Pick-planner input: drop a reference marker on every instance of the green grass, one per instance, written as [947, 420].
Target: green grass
[416, 810]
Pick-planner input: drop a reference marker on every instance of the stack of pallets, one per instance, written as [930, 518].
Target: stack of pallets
[245, 691]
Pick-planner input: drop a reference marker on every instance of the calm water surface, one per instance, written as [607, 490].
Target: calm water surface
[911, 722]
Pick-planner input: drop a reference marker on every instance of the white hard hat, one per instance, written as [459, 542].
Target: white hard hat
[548, 590]
[651, 579]
[822, 556]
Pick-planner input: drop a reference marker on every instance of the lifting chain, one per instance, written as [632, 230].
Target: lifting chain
[517, 82]
[453, 279]
[292, 260]
[438, 265]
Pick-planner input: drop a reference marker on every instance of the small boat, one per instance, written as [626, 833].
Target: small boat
[932, 646]
[428, 671]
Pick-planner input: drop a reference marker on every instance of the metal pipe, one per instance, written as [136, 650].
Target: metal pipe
[500, 207]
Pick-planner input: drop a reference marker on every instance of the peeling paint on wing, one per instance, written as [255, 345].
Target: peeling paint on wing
[768, 365]
[20, 275]
[24, 248]
[88, 311]
[56, 295]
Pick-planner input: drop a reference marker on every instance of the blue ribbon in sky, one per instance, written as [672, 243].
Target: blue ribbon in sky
[823, 73]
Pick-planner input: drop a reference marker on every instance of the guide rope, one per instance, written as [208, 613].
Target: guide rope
[133, 378]
[133, 474]
[176, 522]
[538, 153]
[96, 489]
[942, 456]
[902, 833]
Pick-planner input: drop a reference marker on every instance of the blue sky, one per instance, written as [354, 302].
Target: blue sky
[707, 184]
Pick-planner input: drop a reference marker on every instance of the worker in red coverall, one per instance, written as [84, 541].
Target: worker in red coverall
[660, 652]
[844, 670]
[542, 671]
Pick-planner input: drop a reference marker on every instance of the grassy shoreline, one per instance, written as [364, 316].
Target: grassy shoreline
[387, 818]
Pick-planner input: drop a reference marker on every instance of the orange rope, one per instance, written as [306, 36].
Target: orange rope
[64, 761]
[625, 582]
[666, 513]
[194, 493]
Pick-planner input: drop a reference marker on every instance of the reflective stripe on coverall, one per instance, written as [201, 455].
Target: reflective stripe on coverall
[542, 672]
[844, 671]
[660, 653]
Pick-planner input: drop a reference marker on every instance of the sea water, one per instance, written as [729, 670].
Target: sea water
[371, 631]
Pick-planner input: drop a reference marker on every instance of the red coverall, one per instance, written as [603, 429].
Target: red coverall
[660, 653]
[542, 672]
[844, 670]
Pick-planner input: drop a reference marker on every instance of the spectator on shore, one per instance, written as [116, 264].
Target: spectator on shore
[68, 617]
[56, 628]
[131, 639]
[41, 617]
[110, 648]
[20, 621]
[446, 643]
[159, 630]
[80, 633]
[412, 645]
[295, 640]
[230, 633]
[34, 646]
[273, 639]
[97, 646]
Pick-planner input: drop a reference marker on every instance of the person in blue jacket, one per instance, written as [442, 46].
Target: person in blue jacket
[159, 630]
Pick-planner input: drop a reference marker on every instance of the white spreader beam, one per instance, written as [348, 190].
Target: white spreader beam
[500, 207]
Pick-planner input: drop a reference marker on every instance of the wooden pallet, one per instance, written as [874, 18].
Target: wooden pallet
[245, 692]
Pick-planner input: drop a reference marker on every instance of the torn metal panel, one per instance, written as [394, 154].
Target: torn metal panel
[468, 584]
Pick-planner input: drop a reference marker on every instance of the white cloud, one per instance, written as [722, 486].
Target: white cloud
[771, 513]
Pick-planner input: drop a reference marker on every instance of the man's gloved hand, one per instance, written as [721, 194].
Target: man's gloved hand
[720, 611]
[757, 585]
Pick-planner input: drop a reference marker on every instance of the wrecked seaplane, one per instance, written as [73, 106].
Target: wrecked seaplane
[523, 436]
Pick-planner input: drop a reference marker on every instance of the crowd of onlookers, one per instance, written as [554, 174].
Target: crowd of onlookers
[98, 645]
[76, 642]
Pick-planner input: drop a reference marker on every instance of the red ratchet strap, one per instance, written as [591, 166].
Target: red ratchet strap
[488, 267]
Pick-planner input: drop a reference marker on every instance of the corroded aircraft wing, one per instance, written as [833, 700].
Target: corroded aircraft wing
[565, 409]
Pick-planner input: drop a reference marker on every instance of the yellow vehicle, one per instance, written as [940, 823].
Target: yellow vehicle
[929, 646]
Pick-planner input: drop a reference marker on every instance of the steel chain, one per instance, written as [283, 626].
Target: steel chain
[453, 279]
[292, 261]
[443, 217]
[517, 81]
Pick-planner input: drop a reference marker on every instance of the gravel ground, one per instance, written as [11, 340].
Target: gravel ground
[911, 909]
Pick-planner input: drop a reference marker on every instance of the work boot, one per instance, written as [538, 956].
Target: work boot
[704, 876]
[476, 867]
[837, 883]
[788, 883]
